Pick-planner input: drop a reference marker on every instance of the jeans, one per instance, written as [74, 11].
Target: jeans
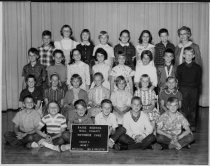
[121, 137]
[162, 139]
[11, 138]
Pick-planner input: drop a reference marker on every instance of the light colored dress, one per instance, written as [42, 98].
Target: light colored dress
[105, 70]
[82, 69]
[125, 71]
[121, 99]
[66, 45]
[150, 70]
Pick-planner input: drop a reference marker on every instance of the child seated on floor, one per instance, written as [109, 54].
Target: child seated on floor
[136, 130]
[170, 127]
[55, 124]
[33, 91]
[97, 94]
[171, 90]
[54, 93]
[26, 122]
[106, 117]
[121, 99]
[74, 94]
[78, 116]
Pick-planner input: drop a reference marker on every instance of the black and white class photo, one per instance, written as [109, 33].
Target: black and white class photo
[104, 82]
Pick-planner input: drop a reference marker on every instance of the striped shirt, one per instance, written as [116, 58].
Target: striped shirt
[54, 124]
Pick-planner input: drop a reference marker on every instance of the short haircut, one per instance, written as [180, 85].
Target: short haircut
[101, 51]
[46, 33]
[189, 49]
[125, 31]
[58, 51]
[98, 74]
[33, 50]
[136, 98]
[54, 74]
[170, 78]
[172, 100]
[80, 102]
[28, 96]
[169, 50]
[106, 101]
[66, 26]
[103, 33]
[148, 53]
[72, 54]
[120, 78]
[85, 31]
[76, 76]
[55, 103]
[163, 30]
[142, 33]
[30, 76]
[145, 76]
[187, 29]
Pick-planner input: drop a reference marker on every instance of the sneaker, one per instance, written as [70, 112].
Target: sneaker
[157, 146]
[171, 146]
[110, 143]
[34, 145]
[117, 147]
[65, 147]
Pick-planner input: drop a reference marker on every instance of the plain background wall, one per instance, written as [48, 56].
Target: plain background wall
[23, 23]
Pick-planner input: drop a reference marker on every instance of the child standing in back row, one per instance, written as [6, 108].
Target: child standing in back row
[127, 48]
[103, 39]
[46, 50]
[162, 46]
[66, 44]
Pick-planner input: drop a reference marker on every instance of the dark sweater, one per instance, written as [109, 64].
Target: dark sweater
[189, 75]
[130, 52]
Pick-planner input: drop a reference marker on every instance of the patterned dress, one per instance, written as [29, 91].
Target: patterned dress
[147, 97]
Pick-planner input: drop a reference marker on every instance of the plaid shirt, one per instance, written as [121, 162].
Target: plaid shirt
[159, 52]
[37, 70]
[46, 57]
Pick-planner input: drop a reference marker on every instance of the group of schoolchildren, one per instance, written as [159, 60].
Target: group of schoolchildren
[147, 94]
